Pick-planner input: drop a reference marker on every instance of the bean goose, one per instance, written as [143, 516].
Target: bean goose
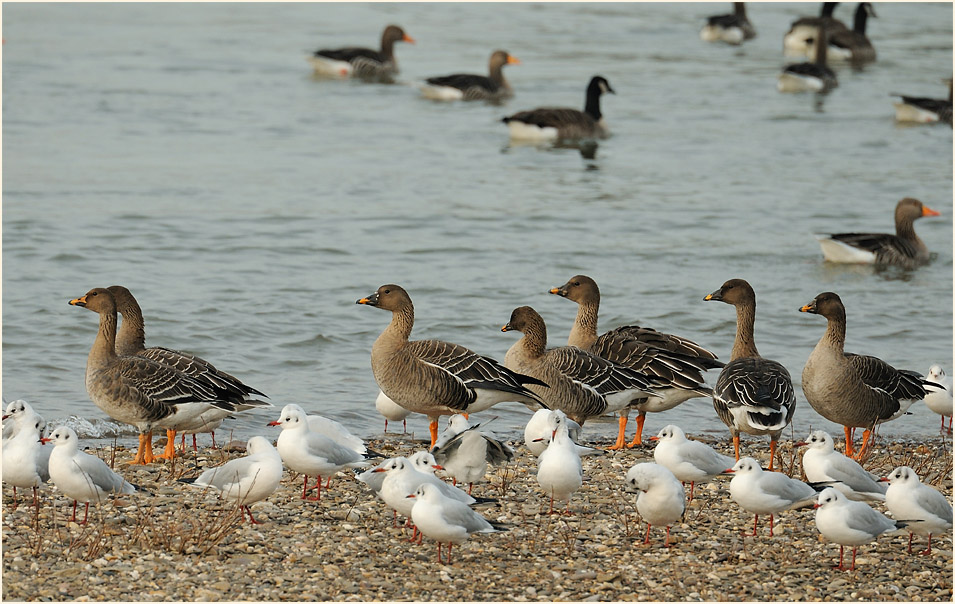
[798, 40]
[362, 62]
[471, 87]
[732, 29]
[131, 341]
[811, 76]
[925, 110]
[435, 377]
[752, 394]
[555, 123]
[903, 249]
[852, 44]
[855, 391]
[581, 384]
[677, 364]
[139, 391]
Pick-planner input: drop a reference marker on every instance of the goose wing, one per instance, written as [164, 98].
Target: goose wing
[671, 369]
[199, 368]
[553, 117]
[351, 54]
[900, 384]
[887, 247]
[464, 81]
[470, 368]
[761, 386]
[159, 387]
[596, 373]
[670, 343]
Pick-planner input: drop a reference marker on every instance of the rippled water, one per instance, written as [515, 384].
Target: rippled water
[185, 151]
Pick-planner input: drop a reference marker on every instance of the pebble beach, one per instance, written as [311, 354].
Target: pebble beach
[181, 543]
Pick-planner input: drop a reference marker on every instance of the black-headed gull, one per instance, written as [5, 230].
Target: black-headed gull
[401, 480]
[827, 467]
[762, 492]
[542, 424]
[690, 460]
[924, 510]
[310, 453]
[465, 451]
[848, 522]
[559, 471]
[248, 479]
[25, 459]
[80, 476]
[391, 410]
[16, 410]
[373, 477]
[444, 519]
[660, 496]
[939, 400]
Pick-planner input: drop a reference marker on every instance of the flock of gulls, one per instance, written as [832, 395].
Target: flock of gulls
[627, 369]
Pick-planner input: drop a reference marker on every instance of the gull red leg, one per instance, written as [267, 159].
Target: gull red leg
[86, 512]
[449, 552]
[755, 522]
[928, 552]
[853, 558]
[667, 542]
[770, 525]
[195, 446]
[910, 541]
[73, 518]
[691, 490]
[646, 538]
[305, 487]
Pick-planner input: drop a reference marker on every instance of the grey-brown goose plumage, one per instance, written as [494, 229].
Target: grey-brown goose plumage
[558, 123]
[581, 384]
[434, 377]
[140, 391]
[924, 109]
[131, 341]
[362, 62]
[855, 391]
[904, 249]
[473, 87]
[676, 363]
[752, 394]
[852, 44]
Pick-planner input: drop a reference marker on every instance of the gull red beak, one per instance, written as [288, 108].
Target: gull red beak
[273, 424]
[730, 471]
[410, 496]
[46, 440]
[816, 505]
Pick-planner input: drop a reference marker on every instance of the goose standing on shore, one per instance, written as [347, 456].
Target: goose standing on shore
[811, 76]
[798, 40]
[752, 394]
[904, 249]
[471, 87]
[362, 63]
[733, 28]
[139, 391]
[435, 377]
[924, 110]
[580, 383]
[676, 363]
[852, 44]
[131, 341]
[854, 391]
[549, 124]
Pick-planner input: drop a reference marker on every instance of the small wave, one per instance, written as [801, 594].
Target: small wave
[95, 428]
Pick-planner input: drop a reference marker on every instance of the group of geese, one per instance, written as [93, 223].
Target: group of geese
[819, 39]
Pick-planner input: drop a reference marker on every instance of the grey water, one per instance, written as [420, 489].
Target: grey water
[187, 152]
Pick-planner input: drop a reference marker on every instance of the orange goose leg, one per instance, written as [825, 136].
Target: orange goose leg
[772, 458]
[849, 451]
[866, 443]
[621, 436]
[736, 446]
[638, 437]
[433, 427]
[170, 451]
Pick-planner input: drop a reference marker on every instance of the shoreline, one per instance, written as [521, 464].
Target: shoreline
[181, 543]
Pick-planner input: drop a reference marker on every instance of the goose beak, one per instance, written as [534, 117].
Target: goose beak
[507, 327]
[811, 307]
[78, 302]
[558, 291]
[407, 39]
[512, 60]
[714, 296]
[371, 300]
[927, 211]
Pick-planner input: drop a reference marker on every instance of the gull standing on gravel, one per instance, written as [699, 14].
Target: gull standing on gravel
[248, 479]
[25, 459]
[824, 465]
[465, 451]
[939, 401]
[17, 411]
[924, 510]
[690, 460]
[80, 476]
[391, 410]
[543, 423]
[660, 496]
[310, 453]
[848, 522]
[559, 471]
[444, 519]
[762, 492]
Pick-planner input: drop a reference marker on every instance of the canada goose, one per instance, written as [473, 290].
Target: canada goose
[555, 124]
[852, 44]
[813, 76]
[798, 40]
[733, 28]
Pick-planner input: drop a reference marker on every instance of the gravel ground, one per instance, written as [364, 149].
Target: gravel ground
[181, 543]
